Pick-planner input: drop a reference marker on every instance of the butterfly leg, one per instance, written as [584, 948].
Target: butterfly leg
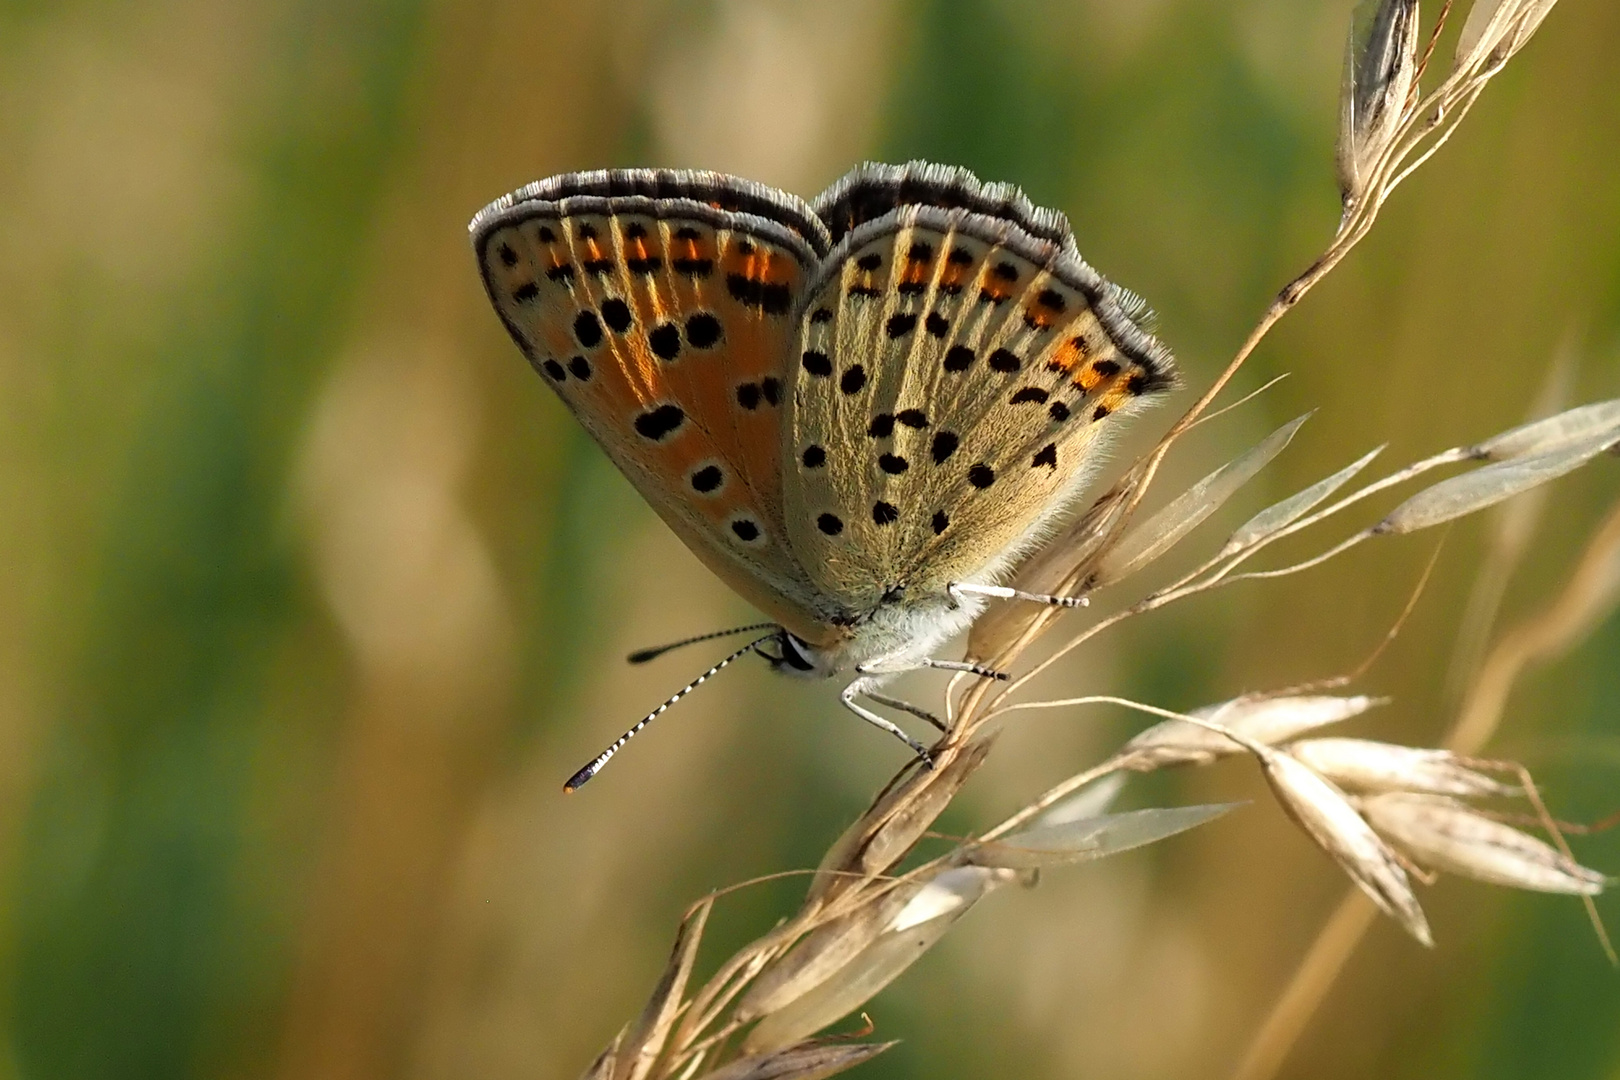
[858, 688]
[972, 669]
[958, 589]
[904, 706]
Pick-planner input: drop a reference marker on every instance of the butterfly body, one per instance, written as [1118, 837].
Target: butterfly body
[844, 409]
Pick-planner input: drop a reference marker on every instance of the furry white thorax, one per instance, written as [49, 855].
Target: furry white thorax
[896, 637]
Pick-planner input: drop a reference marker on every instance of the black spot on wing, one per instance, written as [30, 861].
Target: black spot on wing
[580, 367]
[1004, 361]
[665, 341]
[831, 524]
[692, 267]
[814, 457]
[660, 422]
[817, 363]
[616, 313]
[958, 358]
[944, 445]
[555, 370]
[588, 329]
[884, 513]
[707, 479]
[1029, 395]
[526, 292]
[900, 324]
[941, 521]
[882, 426]
[770, 297]
[1047, 456]
[912, 418]
[893, 464]
[853, 380]
[981, 476]
[703, 331]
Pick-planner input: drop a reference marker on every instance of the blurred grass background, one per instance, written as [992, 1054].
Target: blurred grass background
[312, 594]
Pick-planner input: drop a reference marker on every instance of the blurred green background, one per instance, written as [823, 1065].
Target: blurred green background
[313, 595]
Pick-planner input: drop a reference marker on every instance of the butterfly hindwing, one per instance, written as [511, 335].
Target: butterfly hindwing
[659, 307]
[954, 371]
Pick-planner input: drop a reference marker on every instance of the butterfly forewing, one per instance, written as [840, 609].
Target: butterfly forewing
[664, 324]
[953, 373]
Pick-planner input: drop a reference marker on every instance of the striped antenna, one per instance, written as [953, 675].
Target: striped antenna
[641, 656]
[579, 779]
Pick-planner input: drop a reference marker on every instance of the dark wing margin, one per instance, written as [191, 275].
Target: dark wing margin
[708, 194]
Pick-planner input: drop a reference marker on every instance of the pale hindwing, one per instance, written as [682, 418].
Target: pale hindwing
[664, 326]
[949, 387]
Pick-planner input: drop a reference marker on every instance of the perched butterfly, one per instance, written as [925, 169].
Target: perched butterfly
[859, 412]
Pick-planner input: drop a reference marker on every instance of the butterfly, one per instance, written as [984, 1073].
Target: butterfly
[859, 412]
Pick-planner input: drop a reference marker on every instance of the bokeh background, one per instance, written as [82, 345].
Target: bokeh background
[312, 594]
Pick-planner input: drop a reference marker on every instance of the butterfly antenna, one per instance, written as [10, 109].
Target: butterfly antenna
[641, 656]
[579, 779]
